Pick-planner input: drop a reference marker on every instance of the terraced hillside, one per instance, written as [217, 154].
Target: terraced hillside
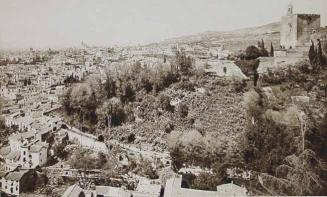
[214, 110]
[224, 114]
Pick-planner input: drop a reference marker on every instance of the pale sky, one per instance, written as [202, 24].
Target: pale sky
[65, 23]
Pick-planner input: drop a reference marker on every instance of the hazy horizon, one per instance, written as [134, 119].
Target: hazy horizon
[60, 24]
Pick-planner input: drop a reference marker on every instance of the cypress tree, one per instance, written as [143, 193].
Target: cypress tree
[271, 50]
[262, 44]
[312, 54]
[319, 53]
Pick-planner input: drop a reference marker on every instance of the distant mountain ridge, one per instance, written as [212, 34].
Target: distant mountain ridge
[232, 40]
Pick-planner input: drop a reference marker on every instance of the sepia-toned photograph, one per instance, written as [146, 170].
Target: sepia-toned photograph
[163, 98]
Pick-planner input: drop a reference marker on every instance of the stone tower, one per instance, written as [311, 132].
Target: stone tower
[290, 9]
[297, 28]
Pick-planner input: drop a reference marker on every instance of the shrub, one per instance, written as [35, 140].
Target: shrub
[186, 85]
[177, 158]
[149, 171]
[183, 110]
[82, 159]
[239, 86]
[131, 138]
[164, 103]
[206, 181]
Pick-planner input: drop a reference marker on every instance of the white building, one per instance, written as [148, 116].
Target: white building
[173, 189]
[25, 150]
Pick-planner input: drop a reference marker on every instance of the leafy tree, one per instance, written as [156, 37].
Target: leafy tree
[266, 142]
[110, 87]
[177, 158]
[184, 63]
[91, 106]
[59, 150]
[206, 181]
[82, 159]
[128, 94]
[303, 173]
[147, 85]
[318, 137]
[118, 115]
[67, 102]
[252, 52]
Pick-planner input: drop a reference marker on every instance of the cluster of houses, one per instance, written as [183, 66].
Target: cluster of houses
[31, 91]
[26, 150]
